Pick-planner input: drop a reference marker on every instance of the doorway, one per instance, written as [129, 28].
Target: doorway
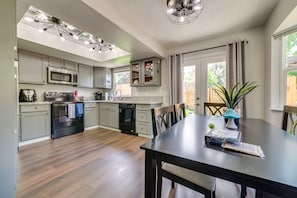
[200, 74]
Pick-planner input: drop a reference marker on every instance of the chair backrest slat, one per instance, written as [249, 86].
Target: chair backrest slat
[162, 119]
[289, 118]
[212, 108]
[180, 111]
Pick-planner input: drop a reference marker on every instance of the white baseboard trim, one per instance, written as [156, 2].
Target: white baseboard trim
[146, 136]
[34, 141]
[92, 127]
[113, 129]
[100, 126]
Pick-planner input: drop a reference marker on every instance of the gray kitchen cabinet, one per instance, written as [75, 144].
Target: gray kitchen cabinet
[102, 78]
[85, 76]
[64, 64]
[145, 73]
[144, 119]
[70, 65]
[91, 114]
[32, 67]
[34, 121]
[109, 115]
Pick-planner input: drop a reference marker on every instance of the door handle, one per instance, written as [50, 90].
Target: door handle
[197, 98]
[197, 104]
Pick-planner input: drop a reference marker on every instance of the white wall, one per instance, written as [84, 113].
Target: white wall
[255, 63]
[272, 58]
[8, 105]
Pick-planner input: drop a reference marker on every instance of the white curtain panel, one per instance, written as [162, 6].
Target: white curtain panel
[174, 65]
[236, 63]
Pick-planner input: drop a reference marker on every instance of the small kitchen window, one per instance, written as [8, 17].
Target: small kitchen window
[122, 83]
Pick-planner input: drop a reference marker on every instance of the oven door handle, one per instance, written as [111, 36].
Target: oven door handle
[60, 105]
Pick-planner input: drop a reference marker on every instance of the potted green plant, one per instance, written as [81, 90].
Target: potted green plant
[233, 96]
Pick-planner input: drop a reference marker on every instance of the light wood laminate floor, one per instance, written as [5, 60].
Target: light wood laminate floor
[98, 163]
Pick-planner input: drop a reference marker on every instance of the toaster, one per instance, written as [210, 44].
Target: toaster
[27, 95]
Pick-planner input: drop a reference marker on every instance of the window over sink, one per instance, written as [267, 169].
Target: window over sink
[122, 83]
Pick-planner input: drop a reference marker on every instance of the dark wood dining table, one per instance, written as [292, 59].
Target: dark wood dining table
[183, 144]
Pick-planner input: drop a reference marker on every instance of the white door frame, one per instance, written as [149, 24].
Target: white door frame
[201, 62]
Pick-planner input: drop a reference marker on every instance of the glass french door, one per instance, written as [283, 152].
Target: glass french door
[199, 76]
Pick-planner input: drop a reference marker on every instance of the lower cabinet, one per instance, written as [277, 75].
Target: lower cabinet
[34, 121]
[109, 115]
[91, 115]
[144, 119]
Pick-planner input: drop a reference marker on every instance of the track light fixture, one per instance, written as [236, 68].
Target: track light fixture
[48, 23]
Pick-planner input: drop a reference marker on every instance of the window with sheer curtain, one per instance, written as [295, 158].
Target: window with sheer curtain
[122, 83]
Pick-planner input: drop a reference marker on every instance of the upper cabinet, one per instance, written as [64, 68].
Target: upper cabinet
[135, 73]
[146, 72]
[56, 62]
[32, 67]
[85, 76]
[102, 78]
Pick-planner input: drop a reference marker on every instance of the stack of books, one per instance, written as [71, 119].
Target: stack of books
[220, 136]
[246, 148]
[231, 139]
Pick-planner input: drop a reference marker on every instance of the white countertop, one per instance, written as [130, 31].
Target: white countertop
[34, 103]
[125, 101]
[99, 101]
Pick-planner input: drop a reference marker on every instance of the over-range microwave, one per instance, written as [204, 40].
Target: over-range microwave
[61, 76]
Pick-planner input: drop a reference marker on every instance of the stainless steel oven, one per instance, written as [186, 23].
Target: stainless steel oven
[67, 118]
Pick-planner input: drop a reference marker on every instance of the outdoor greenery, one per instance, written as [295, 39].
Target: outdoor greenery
[292, 73]
[216, 74]
[232, 97]
[122, 77]
[291, 44]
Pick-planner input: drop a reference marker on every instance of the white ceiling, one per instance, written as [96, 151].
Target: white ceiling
[141, 27]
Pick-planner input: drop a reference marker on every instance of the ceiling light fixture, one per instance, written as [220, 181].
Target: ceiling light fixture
[63, 30]
[183, 11]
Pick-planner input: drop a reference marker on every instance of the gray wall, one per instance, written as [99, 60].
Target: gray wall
[8, 105]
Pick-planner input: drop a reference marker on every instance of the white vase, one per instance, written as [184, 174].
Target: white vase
[231, 124]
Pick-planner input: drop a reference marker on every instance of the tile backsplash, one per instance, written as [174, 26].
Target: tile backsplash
[40, 89]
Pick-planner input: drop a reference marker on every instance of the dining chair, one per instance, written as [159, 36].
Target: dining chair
[289, 119]
[162, 119]
[213, 108]
[180, 111]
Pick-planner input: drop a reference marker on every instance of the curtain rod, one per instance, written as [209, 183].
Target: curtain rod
[209, 48]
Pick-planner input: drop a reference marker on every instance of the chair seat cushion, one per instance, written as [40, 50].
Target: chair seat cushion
[197, 178]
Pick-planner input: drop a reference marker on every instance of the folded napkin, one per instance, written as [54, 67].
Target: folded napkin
[71, 110]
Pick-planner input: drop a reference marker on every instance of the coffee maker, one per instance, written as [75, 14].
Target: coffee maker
[98, 95]
[27, 95]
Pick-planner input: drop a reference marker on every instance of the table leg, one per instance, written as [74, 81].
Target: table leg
[259, 194]
[150, 175]
[243, 191]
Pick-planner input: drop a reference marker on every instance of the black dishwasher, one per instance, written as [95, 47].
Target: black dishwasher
[127, 116]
